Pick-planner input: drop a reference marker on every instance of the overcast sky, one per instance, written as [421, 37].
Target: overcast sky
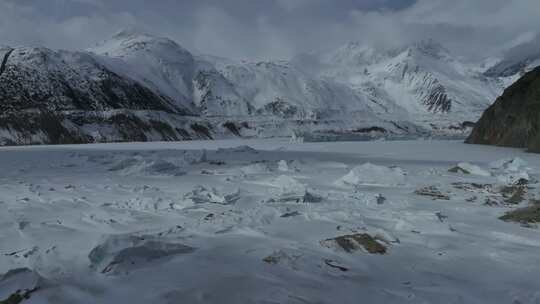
[258, 29]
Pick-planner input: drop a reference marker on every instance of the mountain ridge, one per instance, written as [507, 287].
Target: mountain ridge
[415, 90]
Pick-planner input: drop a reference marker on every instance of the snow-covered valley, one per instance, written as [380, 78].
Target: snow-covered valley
[268, 221]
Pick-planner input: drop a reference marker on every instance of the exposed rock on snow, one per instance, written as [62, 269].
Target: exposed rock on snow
[526, 216]
[493, 202]
[514, 194]
[333, 264]
[282, 257]
[373, 175]
[18, 285]
[291, 214]
[355, 242]
[467, 168]
[433, 192]
[474, 187]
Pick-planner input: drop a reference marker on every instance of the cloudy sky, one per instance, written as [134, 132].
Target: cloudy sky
[258, 29]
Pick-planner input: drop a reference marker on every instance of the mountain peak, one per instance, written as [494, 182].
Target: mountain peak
[356, 47]
[129, 32]
[132, 35]
[130, 42]
[354, 52]
[430, 47]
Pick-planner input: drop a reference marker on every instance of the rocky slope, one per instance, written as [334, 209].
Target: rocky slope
[514, 119]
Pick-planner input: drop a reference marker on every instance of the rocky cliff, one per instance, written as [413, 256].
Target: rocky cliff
[514, 119]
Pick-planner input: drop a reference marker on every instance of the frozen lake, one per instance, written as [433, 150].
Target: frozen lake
[268, 221]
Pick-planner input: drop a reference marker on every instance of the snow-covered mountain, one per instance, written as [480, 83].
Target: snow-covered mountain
[422, 82]
[280, 89]
[213, 86]
[517, 60]
[140, 87]
[53, 96]
[159, 63]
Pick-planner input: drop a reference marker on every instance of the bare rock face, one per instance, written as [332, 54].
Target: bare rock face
[514, 119]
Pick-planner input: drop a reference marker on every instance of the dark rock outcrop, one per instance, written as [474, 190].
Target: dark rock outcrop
[514, 119]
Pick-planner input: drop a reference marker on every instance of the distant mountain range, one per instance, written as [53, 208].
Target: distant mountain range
[137, 87]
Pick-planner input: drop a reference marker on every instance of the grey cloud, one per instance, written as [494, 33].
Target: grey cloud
[272, 28]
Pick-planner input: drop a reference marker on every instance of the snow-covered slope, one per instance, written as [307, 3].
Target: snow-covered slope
[159, 63]
[40, 78]
[279, 89]
[518, 60]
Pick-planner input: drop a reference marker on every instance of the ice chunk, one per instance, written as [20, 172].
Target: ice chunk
[513, 178]
[128, 252]
[202, 195]
[283, 166]
[162, 167]
[511, 171]
[467, 168]
[288, 184]
[297, 197]
[138, 166]
[256, 168]
[373, 175]
[509, 164]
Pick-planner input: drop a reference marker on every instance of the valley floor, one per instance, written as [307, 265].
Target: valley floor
[260, 221]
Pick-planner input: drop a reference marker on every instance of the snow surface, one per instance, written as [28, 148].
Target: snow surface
[248, 221]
